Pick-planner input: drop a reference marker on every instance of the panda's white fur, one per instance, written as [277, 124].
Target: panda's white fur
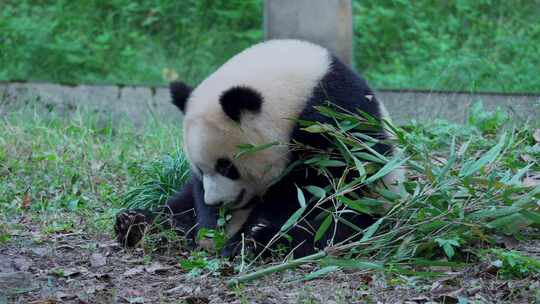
[284, 72]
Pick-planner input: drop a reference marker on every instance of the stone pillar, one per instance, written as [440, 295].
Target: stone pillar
[325, 22]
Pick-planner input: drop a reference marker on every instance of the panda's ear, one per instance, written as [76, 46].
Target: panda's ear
[236, 100]
[180, 93]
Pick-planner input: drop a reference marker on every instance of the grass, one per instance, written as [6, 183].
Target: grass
[470, 189]
[59, 169]
[472, 45]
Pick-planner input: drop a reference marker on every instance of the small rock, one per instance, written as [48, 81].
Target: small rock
[98, 260]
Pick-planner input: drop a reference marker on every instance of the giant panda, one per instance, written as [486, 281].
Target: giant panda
[258, 97]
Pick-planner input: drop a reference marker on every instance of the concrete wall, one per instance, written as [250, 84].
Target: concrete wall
[454, 106]
[139, 103]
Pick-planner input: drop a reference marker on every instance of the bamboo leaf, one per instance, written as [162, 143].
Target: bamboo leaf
[330, 163]
[472, 167]
[352, 264]
[532, 216]
[323, 228]
[321, 272]
[393, 164]
[301, 197]
[318, 192]
[246, 149]
[371, 230]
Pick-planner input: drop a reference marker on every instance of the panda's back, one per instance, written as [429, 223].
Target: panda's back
[284, 72]
[292, 76]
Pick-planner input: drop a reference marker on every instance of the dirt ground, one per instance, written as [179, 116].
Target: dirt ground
[77, 268]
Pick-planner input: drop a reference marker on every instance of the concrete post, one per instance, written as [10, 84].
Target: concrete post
[325, 22]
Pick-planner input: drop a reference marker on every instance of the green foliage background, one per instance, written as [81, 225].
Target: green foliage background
[473, 45]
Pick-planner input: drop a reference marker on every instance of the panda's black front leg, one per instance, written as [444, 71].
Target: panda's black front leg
[261, 225]
[206, 216]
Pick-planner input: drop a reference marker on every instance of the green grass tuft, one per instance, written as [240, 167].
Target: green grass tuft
[162, 178]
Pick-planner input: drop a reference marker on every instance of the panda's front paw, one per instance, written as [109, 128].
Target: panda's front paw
[254, 241]
[131, 226]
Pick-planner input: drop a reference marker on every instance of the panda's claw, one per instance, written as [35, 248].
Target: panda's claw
[130, 227]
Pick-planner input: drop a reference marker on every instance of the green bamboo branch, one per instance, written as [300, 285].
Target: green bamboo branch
[284, 266]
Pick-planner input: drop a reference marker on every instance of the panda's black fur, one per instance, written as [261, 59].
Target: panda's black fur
[341, 86]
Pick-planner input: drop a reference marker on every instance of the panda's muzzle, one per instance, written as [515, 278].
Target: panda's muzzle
[237, 203]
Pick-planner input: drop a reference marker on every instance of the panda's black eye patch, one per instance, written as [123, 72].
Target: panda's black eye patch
[226, 168]
[236, 100]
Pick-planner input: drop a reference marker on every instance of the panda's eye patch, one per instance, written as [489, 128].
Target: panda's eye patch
[226, 168]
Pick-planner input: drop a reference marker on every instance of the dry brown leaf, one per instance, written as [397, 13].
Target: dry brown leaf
[44, 301]
[27, 201]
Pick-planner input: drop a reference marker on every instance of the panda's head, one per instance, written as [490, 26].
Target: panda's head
[213, 137]
[250, 100]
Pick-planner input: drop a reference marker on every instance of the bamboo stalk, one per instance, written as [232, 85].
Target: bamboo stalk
[284, 266]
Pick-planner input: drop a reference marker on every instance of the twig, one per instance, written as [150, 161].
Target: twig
[266, 271]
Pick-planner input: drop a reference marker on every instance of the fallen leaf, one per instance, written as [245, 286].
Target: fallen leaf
[98, 260]
[134, 271]
[135, 300]
[94, 288]
[68, 272]
[65, 296]
[40, 251]
[196, 300]
[180, 290]
[526, 158]
[510, 242]
[439, 159]
[532, 180]
[97, 165]
[22, 264]
[226, 270]
[105, 277]
[450, 299]
[16, 282]
[44, 301]
[131, 293]
[157, 268]
[27, 201]
[536, 135]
